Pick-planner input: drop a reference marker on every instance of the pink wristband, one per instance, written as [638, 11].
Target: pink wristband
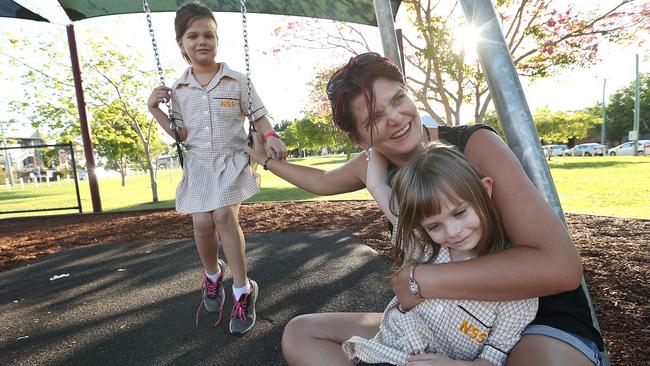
[269, 134]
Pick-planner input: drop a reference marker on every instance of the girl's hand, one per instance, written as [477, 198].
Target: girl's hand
[377, 168]
[376, 182]
[432, 359]
[158, 95]
[428, 359]
[258, 152]
[275, 148]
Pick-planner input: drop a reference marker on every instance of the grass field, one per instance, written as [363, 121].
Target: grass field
[615, 186]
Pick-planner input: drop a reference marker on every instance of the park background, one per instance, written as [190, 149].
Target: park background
[572, 57]
[291, 57]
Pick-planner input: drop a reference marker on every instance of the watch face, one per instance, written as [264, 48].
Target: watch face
[413, 287]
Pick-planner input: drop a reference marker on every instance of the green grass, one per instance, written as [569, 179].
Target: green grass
[616, 186]
[612, 186]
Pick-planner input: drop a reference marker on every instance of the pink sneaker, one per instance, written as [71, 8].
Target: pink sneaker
[243, 316]
[212, 295]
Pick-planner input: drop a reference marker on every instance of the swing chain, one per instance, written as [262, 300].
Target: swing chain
[251, 126]
[174, 127]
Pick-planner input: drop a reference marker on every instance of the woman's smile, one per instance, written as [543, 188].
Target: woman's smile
[402, 132]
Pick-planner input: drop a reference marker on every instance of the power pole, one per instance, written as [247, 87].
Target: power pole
[636, 109]
[602, 127]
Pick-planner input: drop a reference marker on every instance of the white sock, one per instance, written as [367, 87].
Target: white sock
[213, 277]
[239, 291]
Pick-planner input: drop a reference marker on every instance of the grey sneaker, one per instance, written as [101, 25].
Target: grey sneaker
[242, 317]
[212, 294]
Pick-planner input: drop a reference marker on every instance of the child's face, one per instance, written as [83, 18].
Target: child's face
[199, 41]
[457, 226]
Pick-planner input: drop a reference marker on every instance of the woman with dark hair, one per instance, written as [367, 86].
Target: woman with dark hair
[370, 104]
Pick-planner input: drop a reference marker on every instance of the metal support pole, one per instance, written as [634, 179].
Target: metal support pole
[8, 162]
[400, 44]
[636, 109]
[603, 129]
[85, 130]
[512, 108]
[386, 25]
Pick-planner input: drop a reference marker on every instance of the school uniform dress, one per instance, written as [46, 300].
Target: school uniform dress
[458, 329]
[216, 172]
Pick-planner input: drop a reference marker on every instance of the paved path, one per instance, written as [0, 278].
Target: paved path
[134, 304]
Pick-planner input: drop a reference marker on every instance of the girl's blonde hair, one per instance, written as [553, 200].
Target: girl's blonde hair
[186, 15]
[439, 171]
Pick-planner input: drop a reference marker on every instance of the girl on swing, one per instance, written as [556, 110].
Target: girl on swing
[209, 101]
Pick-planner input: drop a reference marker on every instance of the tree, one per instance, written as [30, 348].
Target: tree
[492, 119]
[318, 110]
[114, 90]
[559, 126]
[113, 139]
[543, 41]
[620, 110]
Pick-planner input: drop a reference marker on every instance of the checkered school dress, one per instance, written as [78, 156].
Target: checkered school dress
[458, 329]
[216, 172]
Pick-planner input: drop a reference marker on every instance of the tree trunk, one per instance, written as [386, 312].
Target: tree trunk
[152, 176]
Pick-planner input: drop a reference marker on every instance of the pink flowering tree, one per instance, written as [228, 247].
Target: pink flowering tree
[444, 77]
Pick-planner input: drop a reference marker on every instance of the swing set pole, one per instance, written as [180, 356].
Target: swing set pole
[389, 41]
[83, 121]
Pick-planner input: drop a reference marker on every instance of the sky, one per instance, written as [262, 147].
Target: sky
[282, 82]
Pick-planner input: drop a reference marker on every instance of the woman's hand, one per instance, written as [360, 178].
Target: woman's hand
[257, 152]
[159, 95]
[275, 148]
[407, 300]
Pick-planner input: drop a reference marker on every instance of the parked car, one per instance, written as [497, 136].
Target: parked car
[554, 150]
[628, 147]
[83, 175]
[588, 149]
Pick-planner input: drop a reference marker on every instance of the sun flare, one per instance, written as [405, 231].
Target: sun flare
[467, 38]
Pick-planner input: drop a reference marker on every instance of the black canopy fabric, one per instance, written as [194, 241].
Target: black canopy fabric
[9, 9]
[355, 11]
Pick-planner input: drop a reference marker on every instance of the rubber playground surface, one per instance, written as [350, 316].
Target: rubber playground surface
[134, 304]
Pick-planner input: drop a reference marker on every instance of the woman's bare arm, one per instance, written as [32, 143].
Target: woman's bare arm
[543, 260]
[347, 178]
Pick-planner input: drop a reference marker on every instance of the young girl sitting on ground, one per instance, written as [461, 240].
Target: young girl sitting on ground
[209, 103]
[445, 215]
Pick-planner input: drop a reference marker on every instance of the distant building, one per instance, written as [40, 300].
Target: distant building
[24, 162]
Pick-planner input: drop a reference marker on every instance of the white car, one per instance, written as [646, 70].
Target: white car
[628, 147]
[554, 150]
[588, 149]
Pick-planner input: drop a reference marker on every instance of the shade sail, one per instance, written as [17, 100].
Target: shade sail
[355, 11]
[9, 9]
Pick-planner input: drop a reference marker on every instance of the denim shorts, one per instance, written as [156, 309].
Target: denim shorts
[582, 344]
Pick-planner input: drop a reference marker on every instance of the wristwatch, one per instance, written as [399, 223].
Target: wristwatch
[413, 284]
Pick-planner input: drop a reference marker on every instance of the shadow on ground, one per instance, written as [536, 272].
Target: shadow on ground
[134, 304]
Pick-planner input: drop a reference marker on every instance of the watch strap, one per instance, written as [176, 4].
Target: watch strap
[412, 281]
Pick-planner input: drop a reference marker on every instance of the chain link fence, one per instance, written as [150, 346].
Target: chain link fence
[38, 178]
